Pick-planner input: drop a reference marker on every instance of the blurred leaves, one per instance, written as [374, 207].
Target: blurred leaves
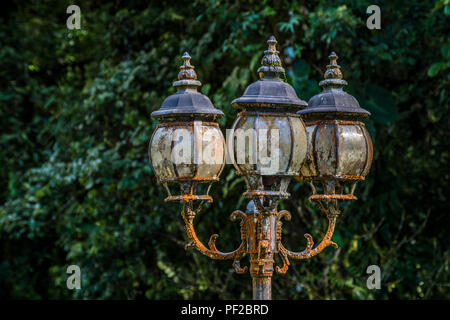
[77, 187]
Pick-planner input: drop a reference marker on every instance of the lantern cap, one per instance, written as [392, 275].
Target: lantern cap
[270, 91]
[333, 99]
[187, 101]
[333, 76]
[271, 66]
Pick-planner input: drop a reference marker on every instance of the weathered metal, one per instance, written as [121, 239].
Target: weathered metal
[261, 239]
[268, 144]
[333, 102]
[211, 251]
[270, 92]
[332, 213]
[187, 148]
[340, 149]
[334, 142]
[268, 149]
[187, 103]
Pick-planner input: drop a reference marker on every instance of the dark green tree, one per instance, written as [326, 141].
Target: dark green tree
[76, 186]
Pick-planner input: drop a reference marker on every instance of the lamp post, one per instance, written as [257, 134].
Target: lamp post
[331, 147]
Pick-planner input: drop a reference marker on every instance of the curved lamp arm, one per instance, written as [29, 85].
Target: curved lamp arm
[188, 215]
[308, 252]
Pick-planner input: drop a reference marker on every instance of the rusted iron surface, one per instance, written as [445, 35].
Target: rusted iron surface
[194, 178]
[336, 121]
[262, 288]
[187, 70]
[335, 144]
[194, 169]
[260, 238]
[188, 215]
[332, 196]
[177, 146]
[276, 144]
[262, 251]
[270, 91]
[340, 149]
[337, 150]
[189, 197]
[264, 193]
[369, 158]
[284, 142]
[332, 214]
[182, 124]
[266, 114]
[170, 137]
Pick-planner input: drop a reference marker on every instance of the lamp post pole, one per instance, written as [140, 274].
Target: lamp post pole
[262, 230]
[329, 150]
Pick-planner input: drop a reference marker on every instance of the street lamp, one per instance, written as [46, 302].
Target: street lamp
[269, 144]
[187, 127]
[340, 148]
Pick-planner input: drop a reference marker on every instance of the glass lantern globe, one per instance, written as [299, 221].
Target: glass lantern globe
[187, 147]
[340, 149]
[268, 143]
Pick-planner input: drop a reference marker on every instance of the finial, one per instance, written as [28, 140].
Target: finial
[187, 71]
[333, 75]
[333, 69]
[187, 78]
[272, 42]
[271, 62]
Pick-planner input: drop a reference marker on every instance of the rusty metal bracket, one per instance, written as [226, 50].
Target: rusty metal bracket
[188, 215]
[332, 213]
[261, 233]
[251, 230]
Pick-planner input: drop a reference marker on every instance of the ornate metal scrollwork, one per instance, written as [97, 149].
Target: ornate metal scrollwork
[332, 212]
[188, 215]
[263, 243]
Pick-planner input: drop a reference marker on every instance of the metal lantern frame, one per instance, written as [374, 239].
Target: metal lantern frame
[272, 104]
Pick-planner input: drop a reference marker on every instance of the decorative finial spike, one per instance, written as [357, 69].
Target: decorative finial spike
[187, 59]
[272, 42]
[187, 71]
[333, 58]
[333, 76]
[271, 62]
[333, 69]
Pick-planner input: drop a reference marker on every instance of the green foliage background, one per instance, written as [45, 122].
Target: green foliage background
[76, 186]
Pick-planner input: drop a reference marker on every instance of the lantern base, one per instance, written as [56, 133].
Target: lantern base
[250, 194]
[188, 190]
[189, 197]
[333, 189]
[332, 196]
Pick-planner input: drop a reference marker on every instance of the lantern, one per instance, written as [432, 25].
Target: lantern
[268, 142]
[188, 146]
[340, 148]
[268, 145]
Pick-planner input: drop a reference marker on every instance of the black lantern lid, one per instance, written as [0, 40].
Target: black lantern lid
[333, 99]
[187, 102]
[270, 91]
